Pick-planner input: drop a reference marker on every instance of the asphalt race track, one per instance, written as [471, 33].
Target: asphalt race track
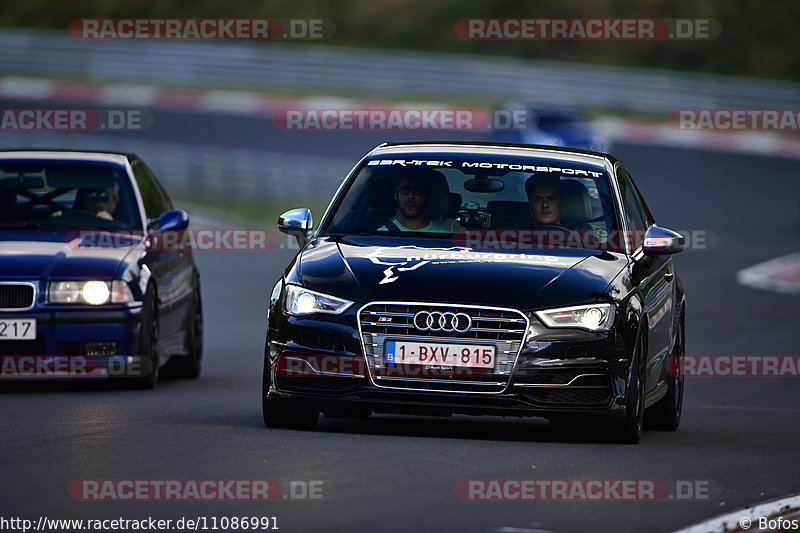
[741, 435]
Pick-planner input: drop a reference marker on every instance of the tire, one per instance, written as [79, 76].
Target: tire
[665, 415]
[353, 413]
[629, 429]
[148, 343]
[279, 413]
[191, 365]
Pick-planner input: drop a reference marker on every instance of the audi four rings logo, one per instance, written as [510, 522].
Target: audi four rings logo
[438, 321]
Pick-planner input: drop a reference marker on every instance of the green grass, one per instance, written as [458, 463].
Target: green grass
[758, 38]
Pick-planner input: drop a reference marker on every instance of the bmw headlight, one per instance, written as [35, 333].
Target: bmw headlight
[300, 301]
[93, 292]
[595, 317]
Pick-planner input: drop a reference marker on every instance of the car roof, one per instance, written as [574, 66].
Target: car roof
[489, 148]
[69, 155]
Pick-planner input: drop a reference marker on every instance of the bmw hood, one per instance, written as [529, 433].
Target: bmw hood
[36, 257]
[385, 268]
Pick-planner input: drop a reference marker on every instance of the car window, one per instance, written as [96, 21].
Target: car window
[634, 215]
[648, 217]
[65, 194]
[442, 200]
[153, 196]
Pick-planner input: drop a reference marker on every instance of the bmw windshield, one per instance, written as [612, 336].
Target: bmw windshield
[66, 195]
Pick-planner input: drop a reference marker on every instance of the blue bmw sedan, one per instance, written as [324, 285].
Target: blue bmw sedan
[85, 288]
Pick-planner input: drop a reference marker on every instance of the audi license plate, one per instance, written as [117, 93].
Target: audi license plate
[17, 329]
[431, 353]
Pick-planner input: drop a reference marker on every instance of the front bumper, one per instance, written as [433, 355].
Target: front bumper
[67, 343]
[320, 363]
[31, 367]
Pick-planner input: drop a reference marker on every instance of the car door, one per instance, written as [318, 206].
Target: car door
[172, 267]
[652, 275]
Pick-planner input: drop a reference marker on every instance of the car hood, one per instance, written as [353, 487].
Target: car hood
[55, 255]
[372, 268]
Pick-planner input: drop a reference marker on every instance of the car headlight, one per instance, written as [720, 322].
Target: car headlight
[300, 301]
[595, 317]
[92, 292]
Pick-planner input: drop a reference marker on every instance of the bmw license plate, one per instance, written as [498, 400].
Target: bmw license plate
[431, 353]
[15, 329]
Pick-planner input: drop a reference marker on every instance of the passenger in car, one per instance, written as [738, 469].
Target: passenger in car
[412, 194]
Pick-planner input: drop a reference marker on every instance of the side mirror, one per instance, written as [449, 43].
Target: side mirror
[173, 220]
[662, 241]
[297, 222]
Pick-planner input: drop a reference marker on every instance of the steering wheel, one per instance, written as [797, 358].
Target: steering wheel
[552, 226]
[74, 216]
[573, 234]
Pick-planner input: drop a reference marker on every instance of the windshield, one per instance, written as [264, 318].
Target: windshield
[69, 195]
[515, 201]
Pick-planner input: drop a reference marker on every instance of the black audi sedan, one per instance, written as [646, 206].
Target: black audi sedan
[87, 288]
[482, 279]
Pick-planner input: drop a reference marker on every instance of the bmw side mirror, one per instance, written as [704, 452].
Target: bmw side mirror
[297, 222]
[172, 220]
[662, 241]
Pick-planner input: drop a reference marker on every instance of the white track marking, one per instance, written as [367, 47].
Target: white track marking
[781, 274]
[731, 521]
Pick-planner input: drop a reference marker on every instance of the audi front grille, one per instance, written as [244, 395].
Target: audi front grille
[442, 323]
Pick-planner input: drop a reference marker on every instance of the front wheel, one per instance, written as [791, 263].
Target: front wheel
[666, 414]
[279, 413]
[355, 413]
[629, 430]
[148, 343]
[191, 365]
